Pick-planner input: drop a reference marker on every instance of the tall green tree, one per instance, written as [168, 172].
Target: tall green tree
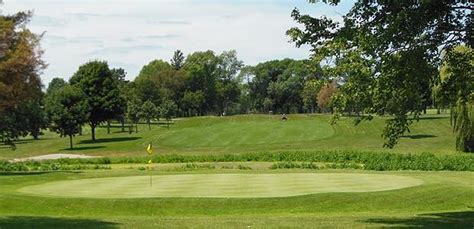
[149, 112]
[456, 90]
[178, 60]
[400, 42]
[101, 88]
[192, 102]
[133, 112]
[150, 80]
[67, 109]
[202, 75]
[309, 94]
[119, 74]
[55, 84]
[20, 67]
[227, 85]
[279, 84]
[168, 111]
[35, 117]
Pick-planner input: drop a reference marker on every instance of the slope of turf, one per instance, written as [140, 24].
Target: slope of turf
[246, 133]
[221, 185]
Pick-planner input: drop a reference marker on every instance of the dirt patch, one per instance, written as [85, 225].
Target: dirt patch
[54, 156]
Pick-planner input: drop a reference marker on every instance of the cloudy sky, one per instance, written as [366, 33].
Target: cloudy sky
[129, 34]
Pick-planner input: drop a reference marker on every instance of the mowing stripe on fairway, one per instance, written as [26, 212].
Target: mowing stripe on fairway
[221, 185]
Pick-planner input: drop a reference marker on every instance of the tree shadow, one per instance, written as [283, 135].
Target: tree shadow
[106, 140]
[27, 173]
[22, 141]
[463, 219]
[49, 222]
[419, 136]
[433, 118]
[80, 148]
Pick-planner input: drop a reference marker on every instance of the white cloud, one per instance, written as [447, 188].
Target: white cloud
[129, 34]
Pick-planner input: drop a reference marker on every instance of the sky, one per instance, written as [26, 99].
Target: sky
[131, 33]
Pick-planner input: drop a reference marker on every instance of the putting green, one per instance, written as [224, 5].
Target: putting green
[221, 185]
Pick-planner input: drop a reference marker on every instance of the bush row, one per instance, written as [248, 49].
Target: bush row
[312, 165]
[366, 160]
[6, 166]
[369, 160]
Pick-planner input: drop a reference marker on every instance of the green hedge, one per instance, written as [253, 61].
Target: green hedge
[344, 159]
[6, 166]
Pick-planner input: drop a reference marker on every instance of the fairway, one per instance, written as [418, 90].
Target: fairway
[245, 133]
[221, 185]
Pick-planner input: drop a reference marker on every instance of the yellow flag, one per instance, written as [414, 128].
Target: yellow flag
[149, 162]
[149, 149]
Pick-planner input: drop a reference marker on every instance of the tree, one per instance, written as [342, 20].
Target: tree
[35, 117]
[133, 112]
[193, 101]
[149, 112]
[119, 75]
[282, 82]
[227, 85]
[178, 60]
[67, 109]
[309, 94]
[149, 81]
[400, 42]
[325, 95]
[55, 84]
[20, 67]
[101, 88]
[202, 75]
[168, 111]
[456, 90]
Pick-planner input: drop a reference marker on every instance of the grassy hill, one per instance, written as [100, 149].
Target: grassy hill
[246, 133]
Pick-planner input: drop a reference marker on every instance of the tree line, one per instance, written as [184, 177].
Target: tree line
[385, 58]
[200, 83]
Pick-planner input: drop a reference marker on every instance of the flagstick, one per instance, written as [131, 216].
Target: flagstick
[151, 180]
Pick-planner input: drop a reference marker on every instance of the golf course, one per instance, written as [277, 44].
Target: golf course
[245, 133]
[242, 171]
[236, 114]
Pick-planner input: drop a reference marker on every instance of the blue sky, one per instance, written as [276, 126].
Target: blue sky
[131, 33]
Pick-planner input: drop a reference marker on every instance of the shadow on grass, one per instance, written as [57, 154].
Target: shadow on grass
[49, 222]
[83, 148]
[463, 219]
[106, 140]
[165, 123]
[26, 173]
[419, 136]
[22, 141]
[433, 118]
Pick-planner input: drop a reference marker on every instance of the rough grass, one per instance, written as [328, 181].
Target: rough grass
[246, 133]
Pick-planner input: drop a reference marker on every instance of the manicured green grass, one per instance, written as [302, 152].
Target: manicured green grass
[246, 133]
[231, 177]
[445, 199]
[220, 185]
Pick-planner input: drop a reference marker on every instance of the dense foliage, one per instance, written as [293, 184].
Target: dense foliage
[455, 89]
[101, 88]
[20, 85]
[387, 53]
[67, 109]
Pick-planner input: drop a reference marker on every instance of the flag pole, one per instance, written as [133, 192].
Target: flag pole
[149, 150]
